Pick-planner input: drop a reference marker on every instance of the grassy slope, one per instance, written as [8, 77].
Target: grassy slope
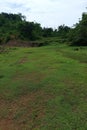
[43, 89]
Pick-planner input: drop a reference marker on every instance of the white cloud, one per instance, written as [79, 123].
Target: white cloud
[47, 12]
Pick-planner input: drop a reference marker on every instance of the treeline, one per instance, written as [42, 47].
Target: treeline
[15, 27]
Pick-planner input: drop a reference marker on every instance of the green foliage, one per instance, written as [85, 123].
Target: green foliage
[48, 32]
[78, 35]
[63, 31]
[15, 26]
[29, 30]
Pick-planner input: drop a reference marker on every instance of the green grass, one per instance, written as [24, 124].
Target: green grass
[43, 88]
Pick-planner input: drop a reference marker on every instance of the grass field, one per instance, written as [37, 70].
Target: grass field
[43, 88]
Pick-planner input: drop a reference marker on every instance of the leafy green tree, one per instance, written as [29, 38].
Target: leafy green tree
[47, 32]
[63, 31]
[78, 35]
[15, 26]
[29, 30]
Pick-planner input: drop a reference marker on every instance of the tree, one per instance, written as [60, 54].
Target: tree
[78, 35]
[30, 30]
[63, 31]
[47, 32]
[15, 26]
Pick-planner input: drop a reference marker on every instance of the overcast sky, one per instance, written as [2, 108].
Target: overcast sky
[49, 13]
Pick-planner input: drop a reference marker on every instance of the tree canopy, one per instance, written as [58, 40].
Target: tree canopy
[15, 26]
[78, 35]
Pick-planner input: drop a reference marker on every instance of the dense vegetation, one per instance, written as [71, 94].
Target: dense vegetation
[78, 35]
[15, 27]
